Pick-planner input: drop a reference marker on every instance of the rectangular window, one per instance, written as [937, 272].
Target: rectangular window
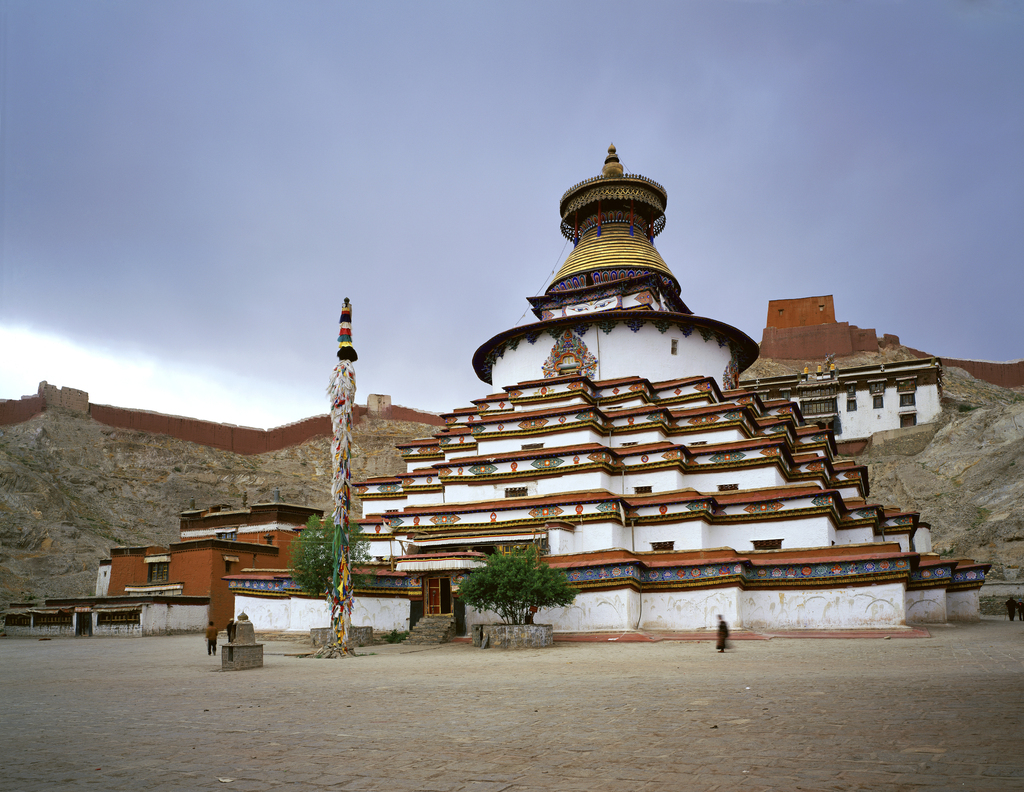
[532, 446]
[851, 391]
[158, 573]
[663, 545]
[624, 445]
[876, 387]
[767, 544]
[784, 394]
[822, 407]
[515, 492]
[907, 400]
[675, 346]
[118, 617]
[851, 405]
[642, 490]
[728, 487]
[906, 386]
[878, 402]
[910, 419]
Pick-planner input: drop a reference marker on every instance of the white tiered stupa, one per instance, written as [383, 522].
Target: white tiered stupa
[616, 439]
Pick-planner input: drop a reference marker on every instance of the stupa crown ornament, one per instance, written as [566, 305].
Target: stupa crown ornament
[614, 197]
[612, 166]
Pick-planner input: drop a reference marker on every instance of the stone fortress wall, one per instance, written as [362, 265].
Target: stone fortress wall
[228, 437]
[806, 329]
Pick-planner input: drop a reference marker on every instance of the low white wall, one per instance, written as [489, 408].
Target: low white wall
[159, 618]
[963, 606]
[927, 606]
[595, 611]
[302, 614]
[832, 609]
[690, 609]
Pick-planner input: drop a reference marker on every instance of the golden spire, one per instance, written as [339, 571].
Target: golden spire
[612, 167]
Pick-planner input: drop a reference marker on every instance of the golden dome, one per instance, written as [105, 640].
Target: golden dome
[612, 220]
[613, 255]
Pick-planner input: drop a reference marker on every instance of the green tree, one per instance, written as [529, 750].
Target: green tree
[312, 555]
[510, 585]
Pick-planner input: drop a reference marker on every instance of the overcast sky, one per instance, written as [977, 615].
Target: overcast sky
[190, 189]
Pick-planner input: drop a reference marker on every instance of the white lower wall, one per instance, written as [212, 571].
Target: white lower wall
[963, 606]
[159, 618]
[302, 614]
[927, 606]
[690, 609]
[825, 609]
[595, 611]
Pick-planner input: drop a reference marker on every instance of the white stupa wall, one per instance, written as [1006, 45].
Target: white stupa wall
[690, 609]
[927, 606]
[963, 606]
[815, 531]
[302, 614]
[836, 608]
[621, 353]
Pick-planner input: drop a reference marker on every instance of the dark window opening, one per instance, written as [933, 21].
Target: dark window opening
[515, 492]
[907, 400]
[878, 402]
[159, 572]
[642, 490]
[663, 545]
[767, 544]
[728, 487]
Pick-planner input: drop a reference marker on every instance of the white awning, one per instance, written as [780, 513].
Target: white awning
[232, 559]
[432, 564]
[160, 559]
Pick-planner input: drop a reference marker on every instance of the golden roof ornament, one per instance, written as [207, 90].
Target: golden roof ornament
[612, 166]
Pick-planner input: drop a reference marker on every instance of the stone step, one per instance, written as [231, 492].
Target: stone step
[432, 630]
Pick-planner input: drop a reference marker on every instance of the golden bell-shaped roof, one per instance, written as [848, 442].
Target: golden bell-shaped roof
[612, 220]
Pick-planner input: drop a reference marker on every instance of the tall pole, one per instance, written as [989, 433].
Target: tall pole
[342, 394]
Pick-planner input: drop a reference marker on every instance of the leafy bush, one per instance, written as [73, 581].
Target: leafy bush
[395, 636]
[510, 585]
[312, 554]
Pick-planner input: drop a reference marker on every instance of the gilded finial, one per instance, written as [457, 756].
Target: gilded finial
[612, 166]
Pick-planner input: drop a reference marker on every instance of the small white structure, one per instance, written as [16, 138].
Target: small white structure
[858, 402]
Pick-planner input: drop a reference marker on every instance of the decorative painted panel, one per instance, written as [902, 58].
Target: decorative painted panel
[764, 507]
[543, 464]
[481, 470]
[545, 511]
[445, 519]
[569, 355]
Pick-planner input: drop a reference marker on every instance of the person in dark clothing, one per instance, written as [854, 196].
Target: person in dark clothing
[1011, 607]
[231, 631]
[211, 640]
[1020, 610]
[723, 634]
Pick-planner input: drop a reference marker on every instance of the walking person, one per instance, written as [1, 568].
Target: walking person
[723, 634]
[211, 640]
[1011, 607]
[1020, 610]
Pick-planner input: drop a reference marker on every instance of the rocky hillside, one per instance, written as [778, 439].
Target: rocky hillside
[72, 488]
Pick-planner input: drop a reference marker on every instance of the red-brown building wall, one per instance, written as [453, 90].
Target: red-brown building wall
[200, 566]
[801, 312]
[128, 567]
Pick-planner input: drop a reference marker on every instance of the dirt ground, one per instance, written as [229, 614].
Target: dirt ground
[939, 713]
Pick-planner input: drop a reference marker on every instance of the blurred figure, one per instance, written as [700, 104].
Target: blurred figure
[723, 634]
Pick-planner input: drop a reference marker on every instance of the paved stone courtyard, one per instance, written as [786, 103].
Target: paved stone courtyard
[154, 714]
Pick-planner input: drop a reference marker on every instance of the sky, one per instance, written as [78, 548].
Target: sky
[188, 190]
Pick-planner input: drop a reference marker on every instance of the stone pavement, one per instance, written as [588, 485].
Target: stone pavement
[936, 713]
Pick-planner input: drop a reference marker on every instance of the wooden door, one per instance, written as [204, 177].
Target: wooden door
[437, 596]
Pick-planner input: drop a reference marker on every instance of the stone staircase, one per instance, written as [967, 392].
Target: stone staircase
[432, 630]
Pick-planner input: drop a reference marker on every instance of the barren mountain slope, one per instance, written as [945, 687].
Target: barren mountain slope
[72, 488]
